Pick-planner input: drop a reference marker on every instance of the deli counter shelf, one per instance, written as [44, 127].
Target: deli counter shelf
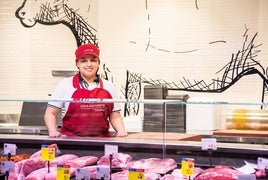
[231, 154]
[141, 139]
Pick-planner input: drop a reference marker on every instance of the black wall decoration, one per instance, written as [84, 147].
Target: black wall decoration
[51, 12]
[241, 63]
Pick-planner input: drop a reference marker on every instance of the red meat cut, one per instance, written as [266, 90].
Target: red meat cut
[25, 167]
[177, 175]
[219, 172]
[43, 174]
[119, 160]
[61, 159]
[155, 165]
[123, 175]
[82, 161]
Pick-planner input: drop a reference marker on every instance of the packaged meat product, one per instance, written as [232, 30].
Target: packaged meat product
[123, 175]
[93, 170]
[177, 175]
[82, 161]
[119, 160]
[62, 159]
[155, 165]
[26, 166]
[43, 174]
[219, 172]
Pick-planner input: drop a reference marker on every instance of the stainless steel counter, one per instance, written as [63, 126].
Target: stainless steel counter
[31, 130]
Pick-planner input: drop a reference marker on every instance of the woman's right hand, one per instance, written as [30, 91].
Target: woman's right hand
[51, 121]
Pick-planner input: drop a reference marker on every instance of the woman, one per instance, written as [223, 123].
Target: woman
[82, 117]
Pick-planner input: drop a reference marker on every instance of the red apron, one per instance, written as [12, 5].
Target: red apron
[87, 118]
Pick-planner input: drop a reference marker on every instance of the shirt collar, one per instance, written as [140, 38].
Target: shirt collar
[84, 84]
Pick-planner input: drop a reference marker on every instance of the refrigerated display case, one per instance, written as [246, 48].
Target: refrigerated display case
[234, 146]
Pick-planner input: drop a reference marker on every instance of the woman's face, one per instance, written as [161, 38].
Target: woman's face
[88, 66]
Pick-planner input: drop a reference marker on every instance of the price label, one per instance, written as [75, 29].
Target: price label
[63, 172]
[136, 174]
[103, 173]
[47, 153]
[110, 149]
[209, 143]
[7, 166]
[10, 148]
[246, 177]
[187, 166]
[262, 163]
[82, 174]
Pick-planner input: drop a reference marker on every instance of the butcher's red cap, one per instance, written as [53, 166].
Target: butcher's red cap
[87, 49]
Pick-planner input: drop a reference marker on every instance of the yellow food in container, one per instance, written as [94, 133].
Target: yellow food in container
[247, 119]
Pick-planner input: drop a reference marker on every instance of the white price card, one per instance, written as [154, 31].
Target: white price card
[7, 166]
[209, 143]
[246, 169]
[262, 163]
[246, 177]
[82, 174]
[110, 149]
[10, 148]
[103, 173]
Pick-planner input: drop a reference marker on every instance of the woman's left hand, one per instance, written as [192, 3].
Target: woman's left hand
[121, 133]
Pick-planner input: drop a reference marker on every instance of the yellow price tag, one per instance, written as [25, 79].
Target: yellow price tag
[187, 166]
[63, 172]
[136, 174]
[47, 153]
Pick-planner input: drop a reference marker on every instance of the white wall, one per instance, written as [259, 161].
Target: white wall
[28, 55]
